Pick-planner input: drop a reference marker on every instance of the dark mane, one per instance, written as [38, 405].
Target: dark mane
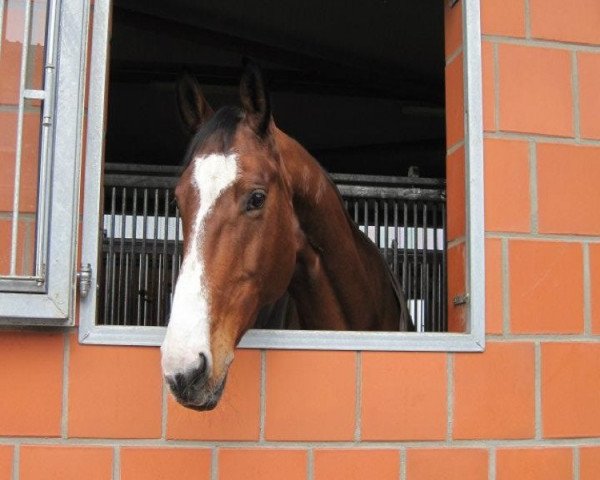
[219, 129]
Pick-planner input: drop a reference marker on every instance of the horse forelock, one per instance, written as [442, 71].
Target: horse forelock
[219, 131]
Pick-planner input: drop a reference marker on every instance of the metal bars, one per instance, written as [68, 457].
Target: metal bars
[11, 280]
[142, 252]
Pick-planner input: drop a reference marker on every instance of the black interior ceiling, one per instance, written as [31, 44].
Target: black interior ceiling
[360, 84]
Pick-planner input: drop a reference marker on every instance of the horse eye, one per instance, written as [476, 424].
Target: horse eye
[256, 200]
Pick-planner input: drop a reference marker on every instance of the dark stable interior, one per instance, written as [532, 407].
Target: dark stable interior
[359, 84]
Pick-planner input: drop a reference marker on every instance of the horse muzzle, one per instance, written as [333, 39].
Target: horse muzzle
[194, 388]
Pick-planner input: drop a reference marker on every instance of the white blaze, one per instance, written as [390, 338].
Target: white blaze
[188, 333]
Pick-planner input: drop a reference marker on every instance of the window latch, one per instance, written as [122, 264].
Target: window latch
[84, 278]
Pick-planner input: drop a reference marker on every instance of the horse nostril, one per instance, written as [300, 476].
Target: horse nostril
[203, 364]
[177, 383]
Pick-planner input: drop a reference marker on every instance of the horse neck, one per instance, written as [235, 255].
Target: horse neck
[341, 281]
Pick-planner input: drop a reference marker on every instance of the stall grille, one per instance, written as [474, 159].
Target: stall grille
[142, 241]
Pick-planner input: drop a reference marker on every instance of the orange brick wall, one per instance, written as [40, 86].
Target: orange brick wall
[527, 408]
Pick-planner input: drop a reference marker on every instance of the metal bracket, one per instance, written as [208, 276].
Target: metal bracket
[461, 299]
[84, 277]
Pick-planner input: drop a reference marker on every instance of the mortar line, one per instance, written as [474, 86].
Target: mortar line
[587, 291]
[16, 462]
[304, 445]
[117, 462]
[542, 138]
[263, 396]
[555, 44]
[449, 396]
[545, 338]
[492, 464]
[496, 63]
[505, 288]
[164, 406]
[576, 464]
[358, 399]
[214, 463]
[64, 419]
[538, 390]
[403, 463]
[27, 241]
[575, 89]
[450, 58]
[453, 148]
[24, 217]
[545, 236]
[527, 20]
[310, 464]
[456, 241]
[533, 187]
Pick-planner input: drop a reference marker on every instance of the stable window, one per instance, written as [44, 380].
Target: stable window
[367, 103]
[41, 110]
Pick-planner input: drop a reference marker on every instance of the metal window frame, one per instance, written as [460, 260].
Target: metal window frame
[48, 297]
[473, 340]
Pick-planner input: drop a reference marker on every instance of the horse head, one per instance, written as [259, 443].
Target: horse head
[240, 237]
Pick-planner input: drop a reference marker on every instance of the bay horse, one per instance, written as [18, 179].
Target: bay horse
[261, 218]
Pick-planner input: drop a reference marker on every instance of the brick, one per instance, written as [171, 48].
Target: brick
[165, 464]
[589, 463]
[31, 383]
[6, 461]
[447, 463]
[397, 404]
[452, 28]
[356, 464]
[488, 86]
[499, 17]
[588, 65]
[534, 464]
[546, 287]
[570, 390]
[455, 192]
[595, 286]
[29, 161]
[114, 392]
[493, 286]
[262, 464]
[65, 463]
[25, 246]
[310, 395]
[10, 66]
[507, 205]
[568, 179]
[491, 387]
[535, 90]
[236, 417]
[574, 21]
[455, 103]
[457, 321]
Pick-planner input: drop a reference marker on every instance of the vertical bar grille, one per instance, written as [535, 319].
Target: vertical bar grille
[142, 248]
[25, 221]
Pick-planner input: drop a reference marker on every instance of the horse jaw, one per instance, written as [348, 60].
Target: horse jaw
[188, 332]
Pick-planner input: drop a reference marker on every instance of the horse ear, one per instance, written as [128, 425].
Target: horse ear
[193, 107]
[255, 98]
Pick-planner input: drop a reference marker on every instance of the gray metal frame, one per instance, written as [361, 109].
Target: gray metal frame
[474, 340]
[47, 298]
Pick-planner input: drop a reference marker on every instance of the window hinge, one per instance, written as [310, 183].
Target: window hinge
[84, 277]
[461, 299]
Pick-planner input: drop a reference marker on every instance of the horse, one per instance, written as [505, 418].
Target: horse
[261, 219]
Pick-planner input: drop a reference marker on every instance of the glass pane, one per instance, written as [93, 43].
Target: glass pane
[23, 39]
